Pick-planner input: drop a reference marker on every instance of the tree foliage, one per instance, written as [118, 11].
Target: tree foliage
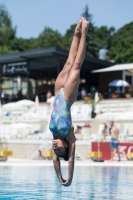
[20, 44]
[7, 32]
[102, 38]
[49, 38]
[5, 49]
[90, 47]
[67, 38]
[121, 47]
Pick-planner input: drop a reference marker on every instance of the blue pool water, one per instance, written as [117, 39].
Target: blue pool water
[91, 183]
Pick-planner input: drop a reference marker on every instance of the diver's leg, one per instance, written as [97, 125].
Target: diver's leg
[62, 77]
[72, 83]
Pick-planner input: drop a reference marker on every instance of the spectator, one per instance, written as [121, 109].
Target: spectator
[83, 93]
[114, 140]
[114, 132]
[40, 156]
[48, 95]
[13, 98]
[49, 100]
[105, 131]
[6, 98]
[20, 96]
[78, 130]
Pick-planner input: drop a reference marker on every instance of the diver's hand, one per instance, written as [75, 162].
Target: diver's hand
[62, 180]
[67, 183]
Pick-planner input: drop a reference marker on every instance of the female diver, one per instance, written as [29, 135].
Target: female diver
[66, 89]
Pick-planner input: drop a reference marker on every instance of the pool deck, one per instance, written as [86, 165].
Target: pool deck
[45, 163]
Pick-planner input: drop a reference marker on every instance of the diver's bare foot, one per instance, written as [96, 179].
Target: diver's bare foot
[85, 25]
[78, 28]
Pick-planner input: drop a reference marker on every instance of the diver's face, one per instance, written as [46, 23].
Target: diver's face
[59, 146]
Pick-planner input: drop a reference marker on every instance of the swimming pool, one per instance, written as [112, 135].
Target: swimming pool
[91, 183]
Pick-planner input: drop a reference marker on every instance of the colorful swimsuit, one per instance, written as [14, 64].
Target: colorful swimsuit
[60, 122]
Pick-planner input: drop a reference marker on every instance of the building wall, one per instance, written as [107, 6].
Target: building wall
[106, 77]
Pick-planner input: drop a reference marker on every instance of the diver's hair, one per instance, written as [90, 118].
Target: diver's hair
[66, 156]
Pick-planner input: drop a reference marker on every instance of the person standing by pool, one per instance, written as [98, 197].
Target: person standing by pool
[114, 140]
[66, 90]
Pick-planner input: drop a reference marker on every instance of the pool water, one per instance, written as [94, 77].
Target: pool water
[91, 183]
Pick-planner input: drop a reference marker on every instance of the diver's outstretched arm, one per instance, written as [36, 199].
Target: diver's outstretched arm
[71, 160]
[56, 162]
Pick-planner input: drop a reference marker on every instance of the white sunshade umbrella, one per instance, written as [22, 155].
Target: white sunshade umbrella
[96, 98]
[107, 116]
[11, 106]
[31, 116]
[20, 125]
[128, 116]
[26, 102]
[119, 83]
[51, 101]
[36, 102]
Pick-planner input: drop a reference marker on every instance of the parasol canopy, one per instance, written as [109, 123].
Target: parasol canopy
[12, 106]
[96, 98]
[126, 116]
[107, 116]
[26, 102]
[36, 102]
[119, 83]
[20, 125]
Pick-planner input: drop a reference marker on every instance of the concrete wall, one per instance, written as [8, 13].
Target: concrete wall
[82, 150]
[25, 151]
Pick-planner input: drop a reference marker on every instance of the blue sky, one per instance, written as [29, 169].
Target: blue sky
[31, 16]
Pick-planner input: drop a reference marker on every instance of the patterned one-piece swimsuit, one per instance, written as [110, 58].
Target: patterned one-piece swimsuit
[60, 121]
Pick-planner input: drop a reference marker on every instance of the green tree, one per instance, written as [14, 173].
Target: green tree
[86, 14]
[7, 32]
[67, 38]
[5, 49]
[90, 46]
[102, 38]
[121, 48]
[49, 38]
[20, 44]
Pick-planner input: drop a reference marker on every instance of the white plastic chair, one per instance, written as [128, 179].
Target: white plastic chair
[46, 134]
[123, 133]
[75, 111]
[97, 136]
[86, 111]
